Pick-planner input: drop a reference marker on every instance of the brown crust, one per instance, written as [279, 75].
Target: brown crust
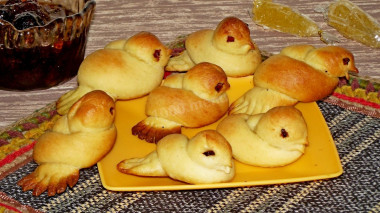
[304, 72]
[294, 78]
[193, 99]
[198, 100]
[184, 107]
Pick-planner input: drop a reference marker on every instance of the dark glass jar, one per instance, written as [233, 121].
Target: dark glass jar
[44, 56]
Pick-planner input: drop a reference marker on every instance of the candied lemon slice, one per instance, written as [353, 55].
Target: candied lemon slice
[282, 18]
[353, 23]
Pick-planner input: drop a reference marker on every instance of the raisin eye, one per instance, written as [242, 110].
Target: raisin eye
[346, 61]
[209, 153]
[219, 87]
[112, 110]
[284, 133]
[230, 39]
[157, 54]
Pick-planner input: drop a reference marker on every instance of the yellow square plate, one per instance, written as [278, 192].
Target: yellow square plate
[320, 161]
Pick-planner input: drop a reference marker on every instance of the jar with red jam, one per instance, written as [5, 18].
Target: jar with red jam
[42, 42]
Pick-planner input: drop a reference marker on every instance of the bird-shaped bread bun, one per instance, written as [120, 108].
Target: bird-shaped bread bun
[275, 138]
[124, 69]
[78, 140]
[228, 46]
[299, 73]
[205, 158]
[192, 99]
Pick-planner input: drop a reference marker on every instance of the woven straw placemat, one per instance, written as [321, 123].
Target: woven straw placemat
[356, 136]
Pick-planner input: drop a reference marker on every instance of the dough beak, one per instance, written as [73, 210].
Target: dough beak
[225, 168]
[354, 70]
[252, 45]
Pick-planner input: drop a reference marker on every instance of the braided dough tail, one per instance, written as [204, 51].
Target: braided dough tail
[153, 129]
[147, 166]
[260, 100]
[68, 99]
[53, 177]
[182, 62]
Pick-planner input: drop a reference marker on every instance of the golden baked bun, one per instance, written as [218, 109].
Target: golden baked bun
[275, 138]
[124, 69]
[298, 73]
[192, 99]
[78, 140]
[228, 46]
[205, 158]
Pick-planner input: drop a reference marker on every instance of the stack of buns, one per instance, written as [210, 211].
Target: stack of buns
[262, 127]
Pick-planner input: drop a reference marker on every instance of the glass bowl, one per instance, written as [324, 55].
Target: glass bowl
[43, 56]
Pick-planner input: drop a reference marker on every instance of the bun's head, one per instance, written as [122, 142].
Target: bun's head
[147, 47]
[233, 36]
[93, 112]
[335, 61]
[283, 125]
[206, 80]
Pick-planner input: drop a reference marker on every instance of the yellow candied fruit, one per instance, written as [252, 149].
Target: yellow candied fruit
[354, 23]
[283, 18]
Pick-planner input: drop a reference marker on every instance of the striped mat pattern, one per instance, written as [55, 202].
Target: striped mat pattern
[357, 137]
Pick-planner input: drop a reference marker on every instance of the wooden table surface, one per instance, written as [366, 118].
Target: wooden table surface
[168, 19]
